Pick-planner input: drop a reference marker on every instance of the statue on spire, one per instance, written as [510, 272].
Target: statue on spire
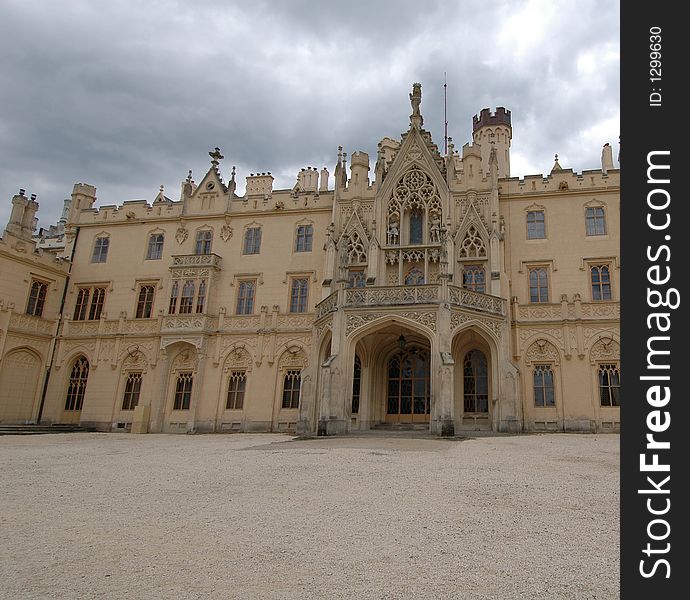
[416, 119]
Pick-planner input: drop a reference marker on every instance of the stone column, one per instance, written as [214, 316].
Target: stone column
[443, 414]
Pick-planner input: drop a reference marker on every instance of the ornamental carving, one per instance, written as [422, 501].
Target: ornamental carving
[540, 313]
[83, 328]
[457, 319]
[106, 350]
[605, 348]
[293, 357]
[241, 323]
[238, 358]
[181, 234]
[428, 319]
[187, 322]
[604, 310]
[354, 322]
[225, 233]
[141, 326]
[472, 246]
[415, 190]
[294, 321]
[187, 360]
[31, 324]
[322, 327]
[325, 306]
[421, 294]
[542, 350]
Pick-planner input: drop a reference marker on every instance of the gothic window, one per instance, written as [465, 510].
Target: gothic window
[356, 385]
[538, 285]
[77, 384]
[414, 277]
[291, 386]
[145, 301]
[154, 250]
[356, 251]
[472, 245]
[416, 227]
[203, 242]
[37, 298]
[299, 293]
[183, 390]
[236, 386]
[174, 293]
[473, 278]
[595, 220]
[609, 385]
[355, 278]
[89, 304]
[245, 297]
[536, 228]
[100, 250]
[187, 297]
[543, 386]
[304, 237]
[132, 391]
[601, 282]
[408, 383]
[201, 297]
[476, 382]
[252, 241]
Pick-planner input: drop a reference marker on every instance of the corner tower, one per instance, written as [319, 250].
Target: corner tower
[494, 128]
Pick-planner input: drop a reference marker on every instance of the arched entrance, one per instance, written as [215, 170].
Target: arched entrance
[408, 398]
[19, 378]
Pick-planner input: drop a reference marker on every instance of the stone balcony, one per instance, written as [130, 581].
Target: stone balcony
[393, 296]
[196, 260]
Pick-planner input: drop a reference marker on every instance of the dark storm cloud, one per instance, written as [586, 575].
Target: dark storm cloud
[127, 96]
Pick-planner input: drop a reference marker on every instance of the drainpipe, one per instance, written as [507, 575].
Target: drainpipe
[57, 330]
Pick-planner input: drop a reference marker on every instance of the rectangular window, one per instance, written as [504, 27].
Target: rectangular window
[132, 390]
[145, 301]
[236, 384]
[356, 278]
[37, 298]
[203, 242]
[201, 297]
[601, 282]
[543, 386]
[89, 304]
[416, 227]
[535, 225]
[174, 293]
[538, 285]
[304, 238]
[252, 241]
[595, 221]
[155, 247]
[609, 385]
[291, 386]
[473, 278]
[245, 298]
[298, 295]
[100, 250]
[183, 391]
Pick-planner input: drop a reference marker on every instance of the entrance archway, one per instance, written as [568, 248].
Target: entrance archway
[408, 397]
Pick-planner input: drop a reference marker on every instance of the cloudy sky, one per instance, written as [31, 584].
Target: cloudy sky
[128, 95]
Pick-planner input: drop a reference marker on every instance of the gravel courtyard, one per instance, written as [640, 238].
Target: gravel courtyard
[268, 516]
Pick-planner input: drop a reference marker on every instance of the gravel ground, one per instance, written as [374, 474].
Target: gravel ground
[269, 516]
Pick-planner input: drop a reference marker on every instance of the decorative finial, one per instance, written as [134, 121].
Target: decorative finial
[162, 188]
[215, 156]
[232, 176]
[556, 157]
[189, 176]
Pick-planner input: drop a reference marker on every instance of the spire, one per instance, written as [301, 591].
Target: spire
[416, 119]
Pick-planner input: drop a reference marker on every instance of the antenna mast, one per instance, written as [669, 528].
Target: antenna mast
[445, 114]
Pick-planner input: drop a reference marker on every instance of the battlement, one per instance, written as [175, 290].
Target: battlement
[486, 118]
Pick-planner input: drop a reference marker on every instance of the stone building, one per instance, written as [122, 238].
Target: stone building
[431, 291]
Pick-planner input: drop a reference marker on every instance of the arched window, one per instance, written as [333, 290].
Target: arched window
[37, 298]
[476, 382]
[292, 382]
[201, 297]
[543, 386]
[174, 293]
[601, 282]
[609, 385]
[408, 384]
[100, 250]
[155, 247]
[77, 384]
[356, 385]
[145, 302]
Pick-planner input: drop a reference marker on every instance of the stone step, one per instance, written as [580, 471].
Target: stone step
[42, 429]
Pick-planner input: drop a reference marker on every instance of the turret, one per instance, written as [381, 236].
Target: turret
[359, 171]
[83, 198]
[19, 204]
[606, 158]
[494, 129]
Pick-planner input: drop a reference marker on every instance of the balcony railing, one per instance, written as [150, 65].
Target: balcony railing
[416, 294]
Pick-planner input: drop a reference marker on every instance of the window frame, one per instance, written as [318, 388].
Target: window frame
[182, 396]
[539, 288]
[478, 268]
[304, 240]
[591, 266]
[101, 246]
[92, 308]
[140, 310]
[150, 245]
[594, 220]
[203, 247]
[76, 385]
[542, 367]
[532, 227]
[238, 376]
[298, 303]
[251, 243]
[241, 301]
[612, 366]
[288, 394]
[36, 303]
[131, 395]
